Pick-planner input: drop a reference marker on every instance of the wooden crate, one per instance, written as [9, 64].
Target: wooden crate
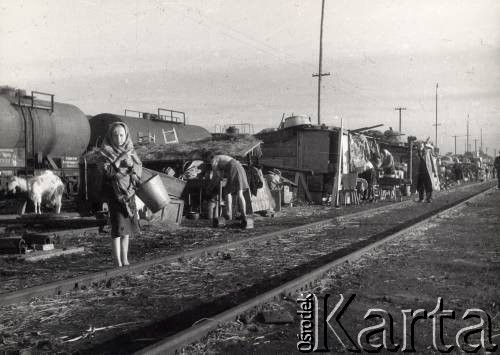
[172, 213]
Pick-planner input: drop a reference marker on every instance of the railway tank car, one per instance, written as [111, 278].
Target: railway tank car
[164, 127]
[37, 132]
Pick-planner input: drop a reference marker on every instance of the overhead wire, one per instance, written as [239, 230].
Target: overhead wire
[279, 54]
[238, 36]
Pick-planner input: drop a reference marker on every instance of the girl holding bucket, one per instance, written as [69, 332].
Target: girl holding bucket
[122, 171]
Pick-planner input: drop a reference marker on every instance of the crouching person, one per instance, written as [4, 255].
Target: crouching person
[122, 171]
[237, 183]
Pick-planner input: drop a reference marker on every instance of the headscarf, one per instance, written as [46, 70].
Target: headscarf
[111, 151]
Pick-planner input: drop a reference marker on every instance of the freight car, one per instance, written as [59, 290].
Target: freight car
[163, 127]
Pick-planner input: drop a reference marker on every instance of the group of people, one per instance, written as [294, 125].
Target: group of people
[122, 170]
[427, 170]
[384, 163]
[453, 171]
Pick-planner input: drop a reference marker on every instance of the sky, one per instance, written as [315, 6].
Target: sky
[234, 61]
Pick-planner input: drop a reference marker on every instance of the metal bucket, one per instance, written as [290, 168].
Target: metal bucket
[299, 120]
[153, 193]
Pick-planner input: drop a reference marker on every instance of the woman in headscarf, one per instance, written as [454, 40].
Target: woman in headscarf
[122, 171]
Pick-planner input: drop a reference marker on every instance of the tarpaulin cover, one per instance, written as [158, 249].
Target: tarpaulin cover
[362, 150]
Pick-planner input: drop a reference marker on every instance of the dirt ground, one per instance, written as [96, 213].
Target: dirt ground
[157, 239]
[455, 257]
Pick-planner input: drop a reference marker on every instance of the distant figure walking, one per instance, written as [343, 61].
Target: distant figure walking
[122, 171]
[426, 173]
[497, 167]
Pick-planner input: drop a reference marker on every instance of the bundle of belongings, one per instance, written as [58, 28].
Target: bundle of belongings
[193, 170]
[235, 146]
[276, 181]
[362, 151]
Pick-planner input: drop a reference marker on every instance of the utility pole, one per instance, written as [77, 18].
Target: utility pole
[467, 144]
[320, 73]
[481, 146]
[436, 141]
[455, 144]
[475, 146]
[400, 109]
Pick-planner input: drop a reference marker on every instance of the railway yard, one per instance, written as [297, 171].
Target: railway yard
[197, 178]
[214, 285]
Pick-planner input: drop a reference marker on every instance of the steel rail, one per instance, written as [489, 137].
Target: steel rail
[173, 344]
[77, 282]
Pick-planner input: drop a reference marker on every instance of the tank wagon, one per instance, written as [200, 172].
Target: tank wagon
[36, 133]
[163, 127]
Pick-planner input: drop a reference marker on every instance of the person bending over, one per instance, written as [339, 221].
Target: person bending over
[229, 168]
[388, 163]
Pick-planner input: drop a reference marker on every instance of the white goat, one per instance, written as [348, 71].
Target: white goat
[46, 186]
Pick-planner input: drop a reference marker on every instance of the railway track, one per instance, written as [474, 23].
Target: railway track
[95, 265]
[270, 284]
[175, 343]
[79, 282]
[151, 245]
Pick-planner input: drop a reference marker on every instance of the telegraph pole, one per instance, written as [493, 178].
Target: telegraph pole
[475, 146]
[400, 109]
[436, 141]
[455, 144]
[320, 73]
[467, 144]
[481, 145]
